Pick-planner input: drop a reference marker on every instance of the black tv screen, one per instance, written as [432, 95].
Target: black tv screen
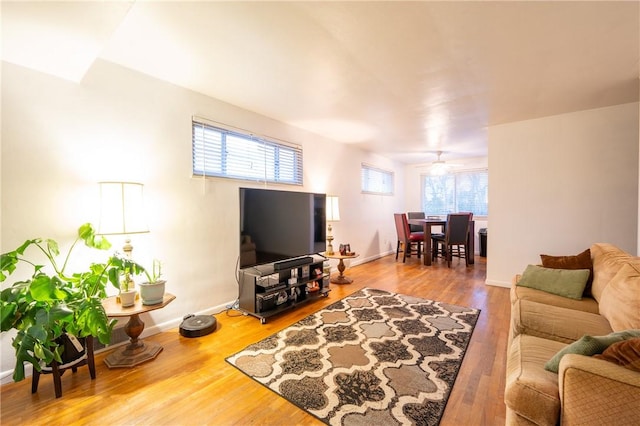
[277, 225]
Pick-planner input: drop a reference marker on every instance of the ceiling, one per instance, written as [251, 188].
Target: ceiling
[403, 79]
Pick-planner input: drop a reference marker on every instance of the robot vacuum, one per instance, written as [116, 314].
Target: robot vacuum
[197, 325]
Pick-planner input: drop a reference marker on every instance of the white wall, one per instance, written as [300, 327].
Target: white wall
[413, 188]
[60, 138]
[559, 184]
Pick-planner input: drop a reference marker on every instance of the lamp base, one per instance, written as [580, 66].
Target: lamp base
[329, 250]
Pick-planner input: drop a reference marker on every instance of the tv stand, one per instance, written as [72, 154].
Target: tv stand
[272, 288]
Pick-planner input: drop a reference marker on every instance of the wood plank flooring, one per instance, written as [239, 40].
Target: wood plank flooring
[191, 384]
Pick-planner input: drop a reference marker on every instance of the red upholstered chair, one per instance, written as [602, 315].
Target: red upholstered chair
[455, 236]
[407, 239]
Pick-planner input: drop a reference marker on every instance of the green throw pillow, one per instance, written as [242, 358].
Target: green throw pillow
[563, 282]
[589, 345]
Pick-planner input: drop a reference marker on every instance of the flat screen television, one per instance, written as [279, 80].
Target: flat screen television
[277, 225]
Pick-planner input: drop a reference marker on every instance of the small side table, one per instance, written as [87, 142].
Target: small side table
[341, 279]
[137, 351]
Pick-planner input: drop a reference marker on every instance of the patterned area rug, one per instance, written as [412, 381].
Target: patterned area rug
[372, 358]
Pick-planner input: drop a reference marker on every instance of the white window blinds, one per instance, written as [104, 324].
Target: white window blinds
[376, 181]
[224, 153]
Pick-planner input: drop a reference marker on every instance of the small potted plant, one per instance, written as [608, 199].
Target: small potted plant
[52, 303]
[152, 291]
[120, 266]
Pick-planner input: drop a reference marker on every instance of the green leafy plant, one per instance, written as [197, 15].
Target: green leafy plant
[53, 302]
[121, 266]
[156, 271]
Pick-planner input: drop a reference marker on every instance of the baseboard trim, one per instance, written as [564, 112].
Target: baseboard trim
[495, 283]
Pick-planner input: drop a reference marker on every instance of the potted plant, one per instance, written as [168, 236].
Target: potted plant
[120, 266]
[52, 302]
[152, 291]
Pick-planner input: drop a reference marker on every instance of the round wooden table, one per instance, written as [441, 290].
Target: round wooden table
[341, 279]
[136, 351]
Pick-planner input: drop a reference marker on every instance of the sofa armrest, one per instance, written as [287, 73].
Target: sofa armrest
[594, 390]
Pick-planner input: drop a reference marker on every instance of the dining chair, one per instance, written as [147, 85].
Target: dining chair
[470, 219]
[455, 236]
[415, 215]
[436, 217]
[406, 238]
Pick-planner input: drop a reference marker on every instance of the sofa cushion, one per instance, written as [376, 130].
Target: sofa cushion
[530, 390]
[554, 322]
[625, 353]
[589, 345]
[607, 260]
[586, 304]
[620, 300]
[579, 261]
[563, 282]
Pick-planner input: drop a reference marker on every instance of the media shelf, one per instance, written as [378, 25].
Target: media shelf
[272, 288]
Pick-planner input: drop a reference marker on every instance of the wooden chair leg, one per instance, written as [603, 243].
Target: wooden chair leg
[90, 360]
[35, 379]
[397, 249]
[57, 383]
[435, 247]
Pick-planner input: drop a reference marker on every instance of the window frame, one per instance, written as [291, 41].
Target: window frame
[365, 179]
[456, 198]
[221, 155]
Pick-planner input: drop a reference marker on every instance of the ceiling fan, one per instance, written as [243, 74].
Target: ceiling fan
[440, 167]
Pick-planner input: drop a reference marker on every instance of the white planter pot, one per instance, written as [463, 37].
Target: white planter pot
[128, 298]
[152, 293]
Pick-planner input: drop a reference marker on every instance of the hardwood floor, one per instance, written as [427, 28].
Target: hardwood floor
[191, 384]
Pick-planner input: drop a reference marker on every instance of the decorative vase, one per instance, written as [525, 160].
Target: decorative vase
[128, 298]
[152, 293]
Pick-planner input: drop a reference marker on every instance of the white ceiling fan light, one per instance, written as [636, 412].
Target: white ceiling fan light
[440, 167]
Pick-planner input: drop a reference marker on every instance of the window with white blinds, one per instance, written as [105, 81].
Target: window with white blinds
[224, 153]
[456, 192]
[376, 181]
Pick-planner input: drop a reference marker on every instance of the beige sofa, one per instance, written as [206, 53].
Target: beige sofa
[586, 390]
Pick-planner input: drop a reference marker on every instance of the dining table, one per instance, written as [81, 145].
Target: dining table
[426, 245]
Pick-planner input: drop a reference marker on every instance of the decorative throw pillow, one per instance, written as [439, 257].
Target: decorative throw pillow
[620, 300]
[589, 345]
[563, 282]
[579, 261]
[625, 353]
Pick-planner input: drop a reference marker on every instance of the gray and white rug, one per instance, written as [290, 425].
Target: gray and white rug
[372, 358]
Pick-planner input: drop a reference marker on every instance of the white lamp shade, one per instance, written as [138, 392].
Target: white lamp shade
[122, 208]
[333, 208]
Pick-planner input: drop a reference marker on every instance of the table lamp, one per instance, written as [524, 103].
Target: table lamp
[122, 212]
[333, 215]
